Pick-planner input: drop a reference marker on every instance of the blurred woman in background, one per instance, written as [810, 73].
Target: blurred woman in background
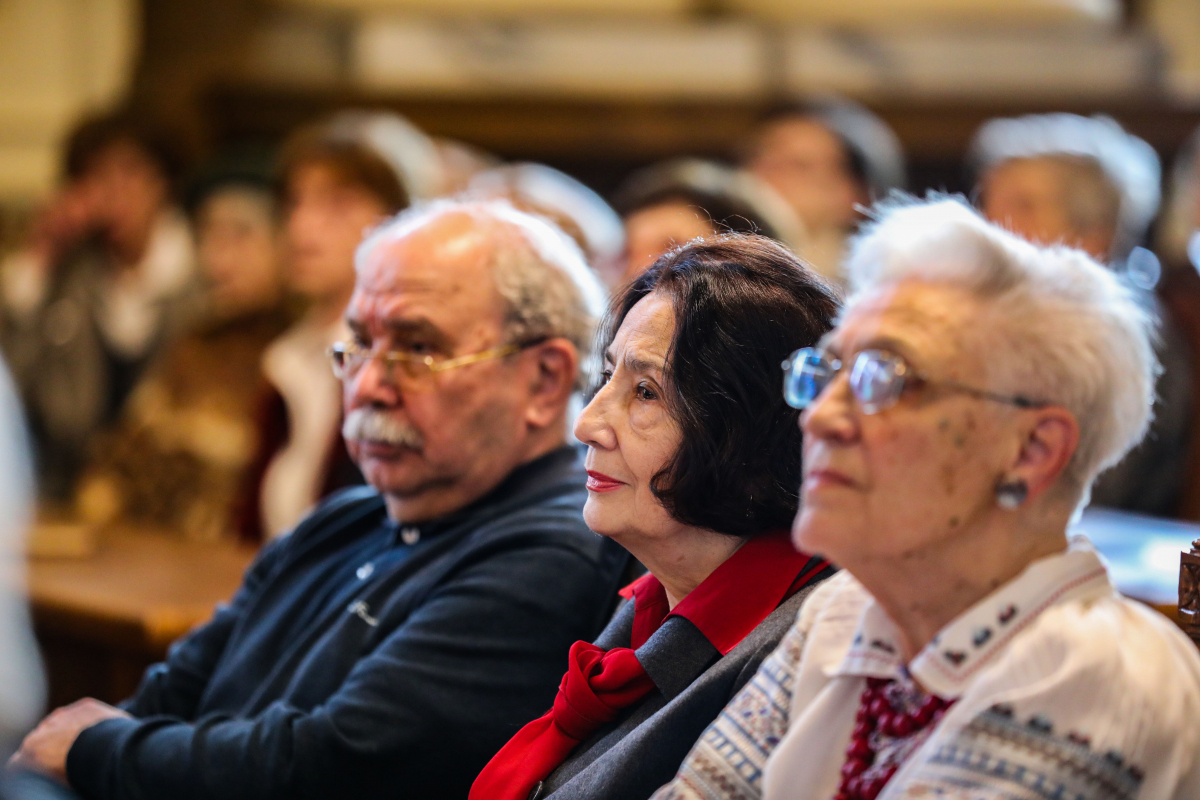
[826, 160]
[105, 281]
[181, 450]
[337, 179]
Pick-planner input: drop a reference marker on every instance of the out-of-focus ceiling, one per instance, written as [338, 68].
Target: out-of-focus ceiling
[859, 13]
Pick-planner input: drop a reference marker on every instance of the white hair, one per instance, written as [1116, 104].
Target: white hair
[1128, 163]
[540, 273]
[1071, 332]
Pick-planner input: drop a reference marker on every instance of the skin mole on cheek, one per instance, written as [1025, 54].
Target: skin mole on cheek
[954, 522]
[944, 425]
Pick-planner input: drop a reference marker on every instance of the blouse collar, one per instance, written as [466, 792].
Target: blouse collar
[734, 599]
[947, 664]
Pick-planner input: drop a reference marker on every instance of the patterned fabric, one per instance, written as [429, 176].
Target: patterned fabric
[1064, 691]
[727, 762]
[999, 757]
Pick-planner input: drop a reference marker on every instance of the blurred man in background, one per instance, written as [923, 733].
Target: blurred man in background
[825, 160]
[1086, 183]
[399, 635]
[179, 456]
[104, 281]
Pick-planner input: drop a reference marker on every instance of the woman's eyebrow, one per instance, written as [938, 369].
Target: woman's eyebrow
[637, 363]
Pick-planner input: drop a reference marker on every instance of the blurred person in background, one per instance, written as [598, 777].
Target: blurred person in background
[668, 205]
[459, 163]
[179, 456]
[577, 210]
[826, 159]
[106, 279]
[1179, 291]
[1086, 183]
[338, 179]
[392, 642]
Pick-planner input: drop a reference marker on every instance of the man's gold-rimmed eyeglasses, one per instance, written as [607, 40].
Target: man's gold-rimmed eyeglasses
[348, 358]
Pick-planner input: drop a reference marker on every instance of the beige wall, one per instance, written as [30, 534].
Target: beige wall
[58, 60]
[1178, 27]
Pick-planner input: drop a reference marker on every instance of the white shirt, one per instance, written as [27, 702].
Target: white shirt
[1061, 685]
[298, 368]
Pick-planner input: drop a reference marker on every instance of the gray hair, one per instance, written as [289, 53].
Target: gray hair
[539, 271]
[1072, 333]
[1096, 148]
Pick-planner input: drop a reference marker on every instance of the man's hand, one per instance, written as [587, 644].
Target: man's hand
[45, 749]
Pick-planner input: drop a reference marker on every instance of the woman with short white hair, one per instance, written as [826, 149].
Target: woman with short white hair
[953, 422]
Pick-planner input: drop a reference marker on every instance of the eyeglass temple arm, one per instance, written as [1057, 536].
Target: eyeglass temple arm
[1009, 399]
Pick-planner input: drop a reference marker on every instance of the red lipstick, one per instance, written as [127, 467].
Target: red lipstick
[599, 482]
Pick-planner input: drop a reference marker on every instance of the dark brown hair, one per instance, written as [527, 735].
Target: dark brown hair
[94, 135]
[742, 304]
[351, 161]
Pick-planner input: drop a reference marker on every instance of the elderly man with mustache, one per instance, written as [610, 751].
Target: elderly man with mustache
[400, 634]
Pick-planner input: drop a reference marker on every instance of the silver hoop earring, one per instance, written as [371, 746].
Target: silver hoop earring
[1011, 494]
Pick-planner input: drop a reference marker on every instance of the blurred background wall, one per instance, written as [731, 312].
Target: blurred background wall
[596, 87]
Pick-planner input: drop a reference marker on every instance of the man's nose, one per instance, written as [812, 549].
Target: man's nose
[373, 384]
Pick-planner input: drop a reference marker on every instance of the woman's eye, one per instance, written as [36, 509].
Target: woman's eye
[644, 392]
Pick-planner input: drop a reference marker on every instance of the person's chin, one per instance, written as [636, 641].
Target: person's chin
[600, 518]
[813, 529]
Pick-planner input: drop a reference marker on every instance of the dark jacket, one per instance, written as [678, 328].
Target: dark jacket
[399, 678]
[631, 758]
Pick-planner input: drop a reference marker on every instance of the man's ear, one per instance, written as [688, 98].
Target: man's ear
[1051, 438]
[550, 387]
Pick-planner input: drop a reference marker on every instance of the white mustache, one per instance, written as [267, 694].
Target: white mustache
[373, 425]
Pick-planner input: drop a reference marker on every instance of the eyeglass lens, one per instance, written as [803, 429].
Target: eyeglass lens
[876, 378]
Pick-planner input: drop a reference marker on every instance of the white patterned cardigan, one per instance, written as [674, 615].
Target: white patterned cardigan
[1064, 690]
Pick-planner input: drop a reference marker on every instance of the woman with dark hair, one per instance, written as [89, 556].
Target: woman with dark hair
[693, 466]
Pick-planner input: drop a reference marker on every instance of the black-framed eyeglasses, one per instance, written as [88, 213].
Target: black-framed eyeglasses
[413, 370]
[877, 379]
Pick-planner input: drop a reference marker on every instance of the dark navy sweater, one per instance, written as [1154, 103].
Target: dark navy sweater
[366, 659]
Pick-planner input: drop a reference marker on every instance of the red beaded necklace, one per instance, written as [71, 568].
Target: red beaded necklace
[892, 721]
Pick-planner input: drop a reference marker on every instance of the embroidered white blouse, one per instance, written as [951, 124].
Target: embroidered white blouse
[1064, 690]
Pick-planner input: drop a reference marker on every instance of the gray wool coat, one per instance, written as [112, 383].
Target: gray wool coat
[641, 750]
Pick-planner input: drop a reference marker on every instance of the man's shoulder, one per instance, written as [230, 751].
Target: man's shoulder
[552, 518]
[353, 507]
